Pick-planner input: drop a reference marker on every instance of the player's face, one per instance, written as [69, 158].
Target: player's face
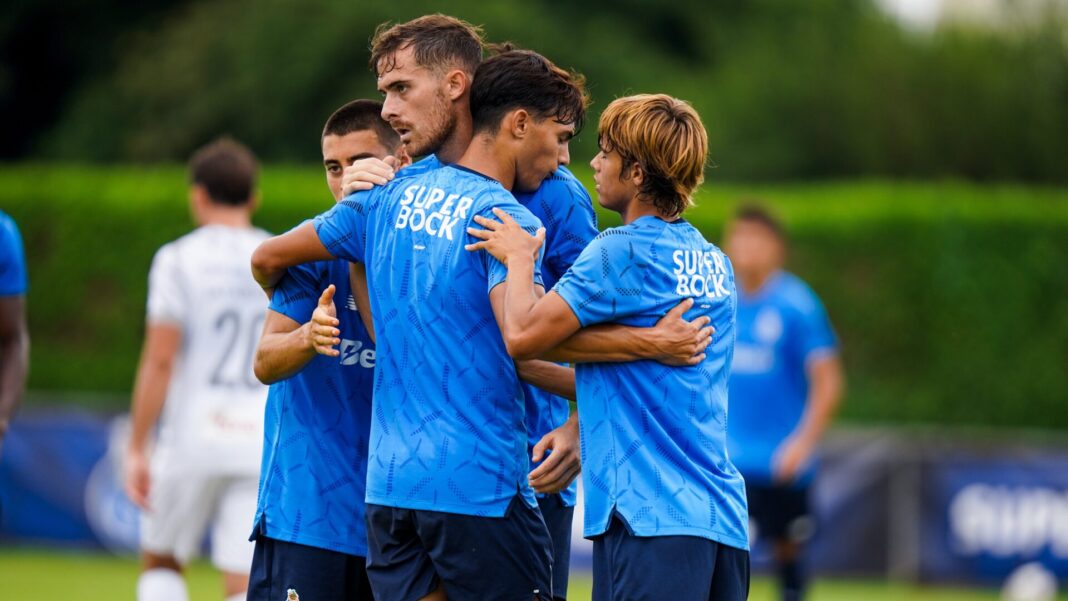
[543, 151]
[416, 105]
[753, 248]
[614, 191]
[341, 151]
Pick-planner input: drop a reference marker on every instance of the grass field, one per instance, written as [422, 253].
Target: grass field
[42, 575]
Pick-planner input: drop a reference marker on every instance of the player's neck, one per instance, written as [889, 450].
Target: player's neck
[235, 217]
[485, 156]
[637, 208]
[753, 281]
[457, 143]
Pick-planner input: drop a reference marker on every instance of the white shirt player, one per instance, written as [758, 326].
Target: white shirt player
[212, 420]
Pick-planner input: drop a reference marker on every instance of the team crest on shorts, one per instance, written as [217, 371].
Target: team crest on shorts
[291, 595]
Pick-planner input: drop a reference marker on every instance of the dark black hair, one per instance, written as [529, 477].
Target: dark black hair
[362, 115]
[524, 79]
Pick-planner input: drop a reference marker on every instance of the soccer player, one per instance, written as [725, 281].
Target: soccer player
[309, 529]
[450, 510]
[195, 377]
[785, 387]
[664, 505]
[14, 335]
[414, 62]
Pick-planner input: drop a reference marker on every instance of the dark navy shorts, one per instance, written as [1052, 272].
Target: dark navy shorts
[779, 512]
[312, 573]
[474, 558]
[558, 518]
[678, 568]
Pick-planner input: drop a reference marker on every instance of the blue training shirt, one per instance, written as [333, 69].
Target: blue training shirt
[314, 470]
[654, 438]
[12, 258]
[564, 206]
[447, 432]
[780, 329]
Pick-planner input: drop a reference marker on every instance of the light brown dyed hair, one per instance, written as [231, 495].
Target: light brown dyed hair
[664, 136]
[438, 42]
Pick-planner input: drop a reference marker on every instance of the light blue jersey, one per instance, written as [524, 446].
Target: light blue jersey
[315, 433]
[780, 329]
[447, 432]
[12, 258]
[564, 206]
[654, 438]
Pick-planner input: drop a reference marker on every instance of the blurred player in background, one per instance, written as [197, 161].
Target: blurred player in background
[785, 387]
[195, 378]
[14, 335]
[309, 530]
[664, 505]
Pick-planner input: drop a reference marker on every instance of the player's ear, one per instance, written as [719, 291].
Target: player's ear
[457, 84]
[636, 174]
[521, 122]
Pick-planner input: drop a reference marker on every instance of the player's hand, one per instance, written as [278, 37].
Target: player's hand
[367, 173]
[563, 465]
[680, 342]
[792, 456]
[505, 239]
[137, 478]
[323, 334]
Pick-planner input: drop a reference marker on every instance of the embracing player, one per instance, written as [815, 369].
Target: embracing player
[310, 533]
[664, 505]
[204, 317]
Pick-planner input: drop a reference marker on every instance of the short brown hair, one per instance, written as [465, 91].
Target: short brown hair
[665, 137]
[438, 42]
[362, 115]
[524, 79]
[226, 169]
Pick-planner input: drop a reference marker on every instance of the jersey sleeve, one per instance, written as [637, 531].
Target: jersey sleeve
[297, 294]
[496, 272]
[604, 284]
[575, 228]
[12, 260]
[167, 298]
[815, 335]
[343, 229]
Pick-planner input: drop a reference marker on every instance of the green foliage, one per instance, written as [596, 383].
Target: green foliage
[951, 300]
[787, 90]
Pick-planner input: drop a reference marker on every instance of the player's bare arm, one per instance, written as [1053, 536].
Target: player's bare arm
[530, 325]
[14, 356]
[286, 346]
[826, 387]
[358, 283]
[161, 346]
[672, 341]
[274, 256]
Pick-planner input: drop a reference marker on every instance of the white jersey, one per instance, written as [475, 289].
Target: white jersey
[213, 417]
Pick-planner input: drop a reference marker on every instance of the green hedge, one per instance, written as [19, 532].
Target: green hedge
[951, 299]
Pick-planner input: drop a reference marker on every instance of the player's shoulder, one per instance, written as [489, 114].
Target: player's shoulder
[563, 185]
[795, 293]
[427, 163]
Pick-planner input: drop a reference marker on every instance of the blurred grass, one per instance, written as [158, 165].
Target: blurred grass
[33, 574]
[950, 298]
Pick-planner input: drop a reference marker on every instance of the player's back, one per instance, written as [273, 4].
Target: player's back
[447, 432]
[213, 416]
[657, 450]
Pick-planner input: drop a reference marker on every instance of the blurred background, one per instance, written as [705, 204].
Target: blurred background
[917, 151]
